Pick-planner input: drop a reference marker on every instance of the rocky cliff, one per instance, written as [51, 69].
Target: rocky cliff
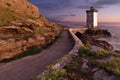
[23, 28]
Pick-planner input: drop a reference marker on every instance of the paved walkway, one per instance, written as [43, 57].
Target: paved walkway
[25, 68]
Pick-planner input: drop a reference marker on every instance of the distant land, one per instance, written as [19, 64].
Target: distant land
[83, 24]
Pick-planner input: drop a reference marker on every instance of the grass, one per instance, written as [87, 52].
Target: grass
[6, 16]
[35, 78]
[58, 74]
[75, 71]
[60, 35]
[85, 51]
[112, 66]
[37, 30]
[55, 62]
[33, 18]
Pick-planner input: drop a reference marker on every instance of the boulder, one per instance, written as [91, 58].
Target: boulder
[103, 44]
[78, 34]
[86, 39]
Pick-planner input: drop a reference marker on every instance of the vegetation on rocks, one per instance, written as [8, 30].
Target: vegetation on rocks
[6, 16]
[59, 74]
[85, 51]
[85, 65]
[112, 66]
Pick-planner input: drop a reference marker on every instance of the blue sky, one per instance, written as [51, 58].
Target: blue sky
[75, 10]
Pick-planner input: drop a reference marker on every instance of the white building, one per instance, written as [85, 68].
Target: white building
[92, 18]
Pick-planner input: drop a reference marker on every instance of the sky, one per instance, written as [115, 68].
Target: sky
[75, 10]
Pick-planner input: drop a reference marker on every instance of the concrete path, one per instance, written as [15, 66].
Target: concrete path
[25, 68]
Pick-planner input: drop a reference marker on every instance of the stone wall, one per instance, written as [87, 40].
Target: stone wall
[81, 30]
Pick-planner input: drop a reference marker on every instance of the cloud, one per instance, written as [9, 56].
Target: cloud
[67, 15]
[59, 17]
[48, 6]
[106, 2]
[59, 5]
[56, 20]
[98, 3]
[55, 5]
[72, 15]
[68, 23]
[60, 10]
[83, 7]
[87, 7]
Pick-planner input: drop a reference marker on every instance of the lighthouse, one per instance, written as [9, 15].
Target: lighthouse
[91, 21]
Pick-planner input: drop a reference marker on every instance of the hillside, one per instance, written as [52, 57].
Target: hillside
[23, 28]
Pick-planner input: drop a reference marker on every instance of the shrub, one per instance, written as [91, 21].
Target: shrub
[102, 53]
[112, 66]
[7, 16]
[33, 18]
[60, 35]
[85, 51]
[8, 4]
[38, 31]
[35, 78]
[58, 74]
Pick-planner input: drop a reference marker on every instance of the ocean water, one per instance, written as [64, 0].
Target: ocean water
[114, 29]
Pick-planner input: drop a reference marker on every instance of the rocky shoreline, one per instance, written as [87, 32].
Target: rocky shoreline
[92, 36]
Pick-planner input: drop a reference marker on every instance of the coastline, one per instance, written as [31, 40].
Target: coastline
[89, 62]
[92, 37]
[113, 51]
[101, 65]
[113, 27]
[115, 39]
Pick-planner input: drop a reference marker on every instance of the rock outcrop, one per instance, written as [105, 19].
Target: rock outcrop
[98, 33]
[21, 6]
[91, 37]
[23, 28]
[103, 44]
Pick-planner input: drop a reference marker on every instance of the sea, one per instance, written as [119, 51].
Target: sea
[113, 28]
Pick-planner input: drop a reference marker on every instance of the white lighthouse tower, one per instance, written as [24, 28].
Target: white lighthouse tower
[92, 18]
